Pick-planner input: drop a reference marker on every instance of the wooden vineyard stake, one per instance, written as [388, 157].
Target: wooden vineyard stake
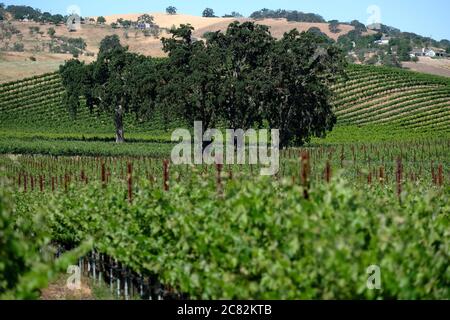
[382, 175]
[440, 176]
[166, 175]
[369, 178]
[305, 172]
[399, 175]
[328, 172]
[230, 174]
[433, 174]
[65, 182]
[219, 167]
[41, 184]
[130, 182]
[103, 173]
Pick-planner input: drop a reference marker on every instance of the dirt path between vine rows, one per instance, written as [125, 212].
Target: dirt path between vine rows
[58, 290]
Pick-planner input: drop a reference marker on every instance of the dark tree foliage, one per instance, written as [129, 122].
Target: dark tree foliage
[360, 27]
[389, 31]
[316, 31]
[355, 37]
[192, 78]
[119, 82]
[46, 17]
[208, 13]
[391, 60]
[245, 77]
[73, 76]
[171, 10]
[233, 14]
[58, 19]
[146, 18]
[287, 14]
[244, 49]
[333, 25]
[300, 71]
[125, 23]
[242, 78]
[21, 12]
[51, 32]
[403, 47]
[101, 20]
[444, 43]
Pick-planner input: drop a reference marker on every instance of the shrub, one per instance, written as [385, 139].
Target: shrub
[101, 20]
[51, 32]
[18, 47]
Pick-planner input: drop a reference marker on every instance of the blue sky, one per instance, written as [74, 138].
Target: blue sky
[427, 18]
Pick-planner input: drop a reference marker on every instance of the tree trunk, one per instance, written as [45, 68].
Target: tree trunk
[118, 121]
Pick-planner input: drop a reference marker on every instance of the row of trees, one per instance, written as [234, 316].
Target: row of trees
[289, 15]
[20, 12]
[241, 78]
[209, 13]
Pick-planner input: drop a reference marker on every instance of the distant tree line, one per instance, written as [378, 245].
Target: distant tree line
[289, 15]
[233, 14]
[209, 13]
[19, 12]
[242, 78]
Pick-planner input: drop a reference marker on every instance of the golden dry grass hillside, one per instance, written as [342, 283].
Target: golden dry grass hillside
[36, 58]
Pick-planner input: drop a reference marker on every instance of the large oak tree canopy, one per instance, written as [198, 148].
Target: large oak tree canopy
[118, 82]
[245, 78]
[241, 78]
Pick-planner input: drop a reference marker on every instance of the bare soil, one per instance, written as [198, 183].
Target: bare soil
[440, 67]
[58, 290]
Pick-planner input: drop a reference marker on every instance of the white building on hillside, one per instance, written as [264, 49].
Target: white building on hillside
[423, 53]
[382, 42]
[430, 53]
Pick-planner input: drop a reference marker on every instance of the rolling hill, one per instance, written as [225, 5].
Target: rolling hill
[386, 96]
[36, 58]
[375, 96]
[202, 24]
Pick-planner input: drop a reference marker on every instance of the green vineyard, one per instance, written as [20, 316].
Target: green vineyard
[380, 96]
[215, 232]
[35, 103]
[369, 96]
[374, 192]
[186, 158]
